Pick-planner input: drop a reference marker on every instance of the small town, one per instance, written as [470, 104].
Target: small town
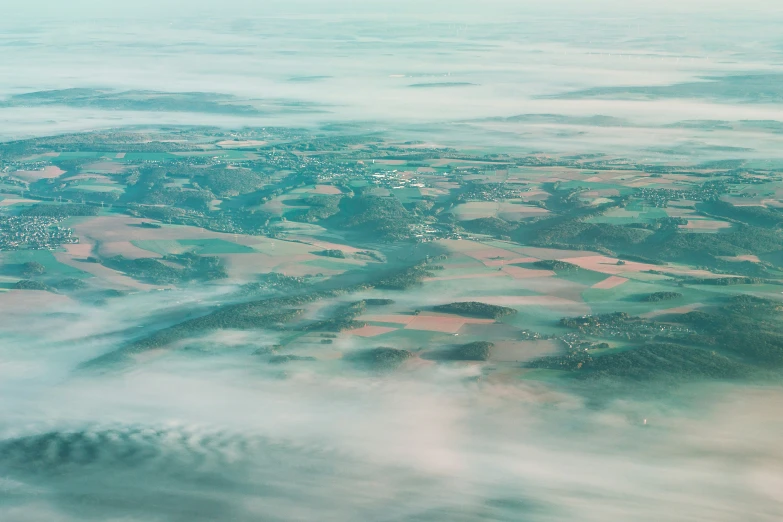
[33, 233]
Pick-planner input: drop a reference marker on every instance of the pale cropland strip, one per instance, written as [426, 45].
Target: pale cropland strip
[610, 282]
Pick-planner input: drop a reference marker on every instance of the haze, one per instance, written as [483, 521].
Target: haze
[200, 430]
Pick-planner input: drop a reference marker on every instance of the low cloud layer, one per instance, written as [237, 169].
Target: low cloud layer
[195, 436]
[215, 433]
[508, 59]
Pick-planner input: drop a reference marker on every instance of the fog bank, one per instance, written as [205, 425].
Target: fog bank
[194, 436]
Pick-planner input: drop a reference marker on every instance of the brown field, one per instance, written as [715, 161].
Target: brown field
[678, 177]
[244, 266]
[371, 331]
[548, 301]
[461, 245]
[108, 167]
[517, 272]
[124, 228]
[503, 262]
[683, 212]
[277, 207]
[389, 162]
[125, 249]
[447, 185]
[444, 323]
[608, 265]
[49, 172]
[642, 183]
[505, 210]
[388, 318]
[423, 145]
[114, 279]
[705, 224]
[483, 252]
[534, 195]
[79, 249]
[487, 253]
[683, 203]
[601, 193]
[326, 245]
[467, 264]
[7, 202]
[626, 175]
[751, 258]
[516, 212]
[327, 189]
[238, 144]
[610, 282]
[441, 162]
[467, 276]
[15, 302]
[553, 286]
[255, 263]
[523, 351]
[95, 177]
[429, 191]
[575, 174]
[552, 253]
[747, 202]
[115, 234]
[678, 310]
[299, 270]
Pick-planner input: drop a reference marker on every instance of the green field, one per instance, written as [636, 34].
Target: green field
[95, 187]
[215, 246]
[542, 204]
[197, 246]
[54, 269]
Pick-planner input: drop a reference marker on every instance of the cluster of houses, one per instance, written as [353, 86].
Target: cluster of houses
[33, 233]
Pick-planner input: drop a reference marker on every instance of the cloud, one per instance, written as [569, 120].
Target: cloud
[190, 436]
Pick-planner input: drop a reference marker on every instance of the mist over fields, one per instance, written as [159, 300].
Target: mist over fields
[204, 436]
[200, 434]
[383, 65]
